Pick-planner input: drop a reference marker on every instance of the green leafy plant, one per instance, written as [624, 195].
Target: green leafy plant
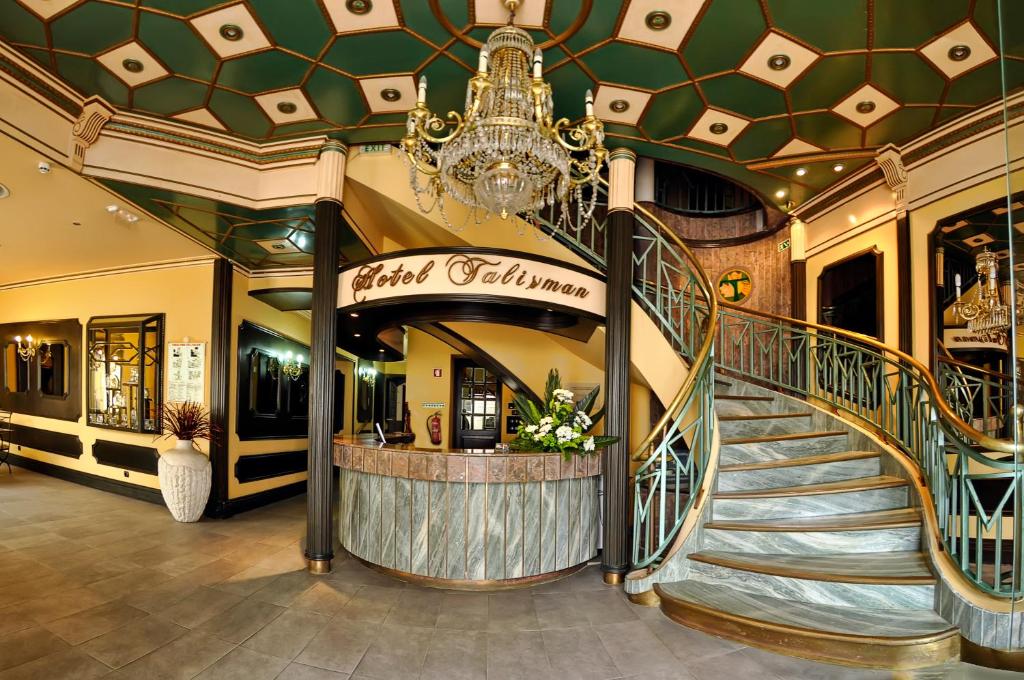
[560, 424]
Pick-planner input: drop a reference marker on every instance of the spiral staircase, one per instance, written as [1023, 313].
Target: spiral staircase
[811, 491]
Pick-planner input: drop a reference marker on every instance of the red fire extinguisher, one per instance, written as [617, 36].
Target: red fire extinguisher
[434, 427]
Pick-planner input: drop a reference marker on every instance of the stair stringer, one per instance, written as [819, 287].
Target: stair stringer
[985, 621]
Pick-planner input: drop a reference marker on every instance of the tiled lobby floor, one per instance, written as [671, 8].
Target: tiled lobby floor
[95, 585]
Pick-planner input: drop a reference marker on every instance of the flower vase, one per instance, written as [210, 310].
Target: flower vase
[185, 478]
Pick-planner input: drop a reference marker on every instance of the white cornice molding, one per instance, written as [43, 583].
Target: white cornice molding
[111, 271]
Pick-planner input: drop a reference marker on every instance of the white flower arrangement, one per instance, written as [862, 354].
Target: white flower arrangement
[561, 425]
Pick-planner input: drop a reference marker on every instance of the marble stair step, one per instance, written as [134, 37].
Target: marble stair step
[861, 532]
[750, 425]
[903, 638]
[826, 467]
[864, 494]
[858, 484]
[880, 580]
[782, 446]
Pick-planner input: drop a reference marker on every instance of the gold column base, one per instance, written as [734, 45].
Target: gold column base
[319, 566]
[613, 579]
[991, 658]
[648, 598]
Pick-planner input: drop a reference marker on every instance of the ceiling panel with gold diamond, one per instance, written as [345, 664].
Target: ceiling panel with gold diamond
[787, 78]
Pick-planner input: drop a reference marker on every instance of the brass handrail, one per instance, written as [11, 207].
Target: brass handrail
[706, 347]
[977, 369]
[985, 441]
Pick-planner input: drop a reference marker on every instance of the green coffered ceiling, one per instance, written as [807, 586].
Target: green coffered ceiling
[849, 76]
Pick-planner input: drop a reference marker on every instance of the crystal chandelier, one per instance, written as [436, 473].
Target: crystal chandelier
[506, 154]
[986, 315]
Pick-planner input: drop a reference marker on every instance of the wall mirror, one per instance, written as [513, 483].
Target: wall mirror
[53, 370]
[16, 370]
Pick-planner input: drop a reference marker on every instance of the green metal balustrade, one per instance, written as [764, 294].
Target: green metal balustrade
[979, 396]
[973, 477]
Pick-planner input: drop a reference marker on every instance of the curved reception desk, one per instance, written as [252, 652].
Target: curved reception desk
[467, 518]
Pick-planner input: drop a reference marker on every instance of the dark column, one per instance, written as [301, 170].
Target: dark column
[903, 283]
[798, 289]
[320, 511]
[220, 376]
[619, 251]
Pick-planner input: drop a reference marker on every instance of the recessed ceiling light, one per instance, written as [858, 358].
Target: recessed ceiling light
[865, 106]
[658, 20]
[779, 62]
[359, 6]
[959, 52]
[800, 172]
[852, 218]
[354, 315]
[112, 209]
[4, 191]
[838, 167]
[619, 106]
[780, 193]
[357, 335]
[231, 32]
[133, 65]
[390, 94]
[381, 349]
[287, 107]
[719, 128]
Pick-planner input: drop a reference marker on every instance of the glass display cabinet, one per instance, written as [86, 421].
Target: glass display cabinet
[125, 372]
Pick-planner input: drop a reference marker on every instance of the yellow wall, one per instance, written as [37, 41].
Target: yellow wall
[247, 308]
[184, 294]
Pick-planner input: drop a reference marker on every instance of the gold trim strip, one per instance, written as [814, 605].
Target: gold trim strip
[470, 584]
[808, 575]
[991, 658]
[859, 651]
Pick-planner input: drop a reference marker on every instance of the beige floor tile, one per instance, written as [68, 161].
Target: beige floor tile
[67, 664]
[200, 606]
[577, 654]
[28, 645]
[397, 652]
[242, 621]
[456, 655]
[133, 640]
[244, 664]
[288, 634]
[92, 623]
[298, 671]
[183, 658]
[340, 646]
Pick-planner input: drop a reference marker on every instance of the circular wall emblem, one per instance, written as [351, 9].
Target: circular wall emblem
[734, 285]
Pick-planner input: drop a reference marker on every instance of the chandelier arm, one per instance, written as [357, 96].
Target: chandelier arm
[436, 124]
[418, 163]
[585, 134]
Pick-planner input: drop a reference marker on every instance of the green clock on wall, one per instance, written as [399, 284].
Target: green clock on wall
[734, 285]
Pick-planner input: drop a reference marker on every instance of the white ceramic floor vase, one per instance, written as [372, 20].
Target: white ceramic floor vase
[185, 477]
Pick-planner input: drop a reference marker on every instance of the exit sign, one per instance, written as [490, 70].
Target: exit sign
[784, 245]
[375, 148]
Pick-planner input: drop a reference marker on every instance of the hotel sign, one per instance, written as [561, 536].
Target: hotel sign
[472, 273]
[962, 338]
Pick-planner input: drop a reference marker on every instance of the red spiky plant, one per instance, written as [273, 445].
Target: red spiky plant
[187, 420]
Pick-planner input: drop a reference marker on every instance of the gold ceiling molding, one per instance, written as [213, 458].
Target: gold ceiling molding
[803, 159]
[916, 153]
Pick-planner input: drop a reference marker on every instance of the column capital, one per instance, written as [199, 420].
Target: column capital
[621, 179]
[330, 171]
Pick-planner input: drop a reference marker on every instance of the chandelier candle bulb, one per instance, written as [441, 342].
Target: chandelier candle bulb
[482, 64]
[589, 99]
[538, 64]
[956, 281]
[421, 95]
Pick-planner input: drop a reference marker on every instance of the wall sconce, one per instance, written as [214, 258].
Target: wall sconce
[290, 364]
[368, 374]
[28, 347]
